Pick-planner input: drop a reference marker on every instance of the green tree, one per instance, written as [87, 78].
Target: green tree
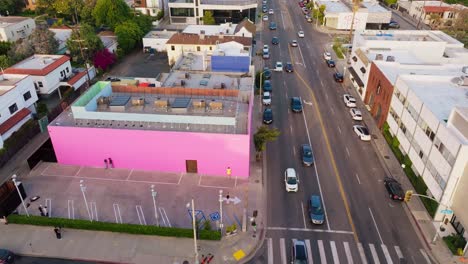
[21, 50]
[46, 6]
[390, 2]
[86, 14]
[5, 46]
[144, 22]
[5, 61]
[41, 41]
[128, 35]
[111, 12]
[263, 135]
[320, 13]
[208, 18]
[84, 42]
[67, 8]
[11, 7]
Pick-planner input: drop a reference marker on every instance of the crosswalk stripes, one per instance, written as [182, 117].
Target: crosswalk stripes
[270, 250]
[283, 250]
[426, 257]
[386, 254]
[398, 252]
[309, 251]
[349, 257]
[362, 254]
[336, 260]
[374, 254]
[323, 258]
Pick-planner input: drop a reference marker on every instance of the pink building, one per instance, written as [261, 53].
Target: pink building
[161, 124]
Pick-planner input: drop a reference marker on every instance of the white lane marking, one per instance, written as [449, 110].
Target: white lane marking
[349, 257]
[362, 254]
[321, 82]
[71, 209]
[316, 172]
[323, 257]
[332, 111]
[282, 20]
[357, 177]
[303, 215]
[374, 254]
[48, 203]
[180, 179]
[141, 216]
[283, 250]
[129, 175]
[94, 214]
[303, 61]
[290, 128]
[309, 252]
[309, 230]
[347, 151]
[426, 257]
[294, 151]
[386, 254]
[78, 171]
[375, 224]
[270, 250]
[118, 215]
[164, 216]
[398, 252]
[326, 95]
[336, 260]
[339, 129]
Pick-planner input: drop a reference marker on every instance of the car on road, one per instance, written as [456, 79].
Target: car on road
[394, 189]
[327, 56]
[300, 34]
[296, 104]
[266, 48]
[288, 67]
[267, 73]
[356, 114]
[268, 116]
[349, 100]
[275, 41]
[266, 55]
[264, 2]
[266, 99]
[265, 18]
[272, 25]
[307, 155]
[331, 63]
[305, 10]
[6, 256]
[264, 9]
[393, 24]
[279, 66]
[299, 252]
[316, 213]
[290, 180]
[338, 77]
[271, 12]
[294, 43]
[362, 132]
[267, 86]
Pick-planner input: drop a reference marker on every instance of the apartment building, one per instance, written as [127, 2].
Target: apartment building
[432, 13]
[150, 7]
[17, 99]
[13, 28]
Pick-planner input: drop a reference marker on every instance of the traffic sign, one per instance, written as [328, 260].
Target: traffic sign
[215, 216]
[446, 211]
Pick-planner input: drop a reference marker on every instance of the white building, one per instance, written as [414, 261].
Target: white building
[109, 40]
[244, 29]
[62, 34]
[157, 40]
[13, 28]
[423, 10]
[17, 99]
[149, 7]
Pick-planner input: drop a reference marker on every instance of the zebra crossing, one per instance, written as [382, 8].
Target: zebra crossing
[336, 252]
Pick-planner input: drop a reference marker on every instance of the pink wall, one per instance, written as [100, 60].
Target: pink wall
[152, 150]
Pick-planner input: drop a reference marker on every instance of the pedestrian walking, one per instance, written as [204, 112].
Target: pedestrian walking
[105, 162]
[46, 213]
[111, 163]
[58, 232]
[227, 198]
[41, 210]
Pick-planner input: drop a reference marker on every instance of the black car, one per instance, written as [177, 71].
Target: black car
[267, 86]
[267, 73]
[394, 189]
[275, 41]
[296, 104]
[6, 256]
[112, 79]
[338, 77]
[267, 116]
[331, 63]
[306, 154]
[288, 67]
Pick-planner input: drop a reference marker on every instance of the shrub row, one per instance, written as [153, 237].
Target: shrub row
[455, 242]
[113, 227]
[338, 51]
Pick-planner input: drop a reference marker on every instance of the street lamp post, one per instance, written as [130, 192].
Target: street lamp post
[13, 178]
[153, 194]
[221, 210]
[83, 190]
[194, 230]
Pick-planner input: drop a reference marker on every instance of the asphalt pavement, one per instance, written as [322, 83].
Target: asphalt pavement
[34, 260]
[362, 224]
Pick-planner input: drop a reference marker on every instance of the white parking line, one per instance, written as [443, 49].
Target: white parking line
[323, 86]
[180, 179]
[316, 172]
[426, 257]
[71, 210]
[387, 254]
[347, 151]
[303, 61]
[323, 257]
[375, 224]
[270, 250]
[78, 172]
[309, 252]
[140, 214]
[398, 252]
[282, 20]
[118, 215]
[290, 128]
[303, 215]
[361, 253]
[162, 213]
[336, 259]
[374, 254]
[357, 177]
[349, 257]
[332, 111]
[129, 175]
[48, 203]
[283, 250]
[94, 214]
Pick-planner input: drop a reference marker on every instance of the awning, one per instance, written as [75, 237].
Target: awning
[356, 77]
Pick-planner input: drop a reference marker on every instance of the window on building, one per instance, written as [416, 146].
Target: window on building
[27, 25]
[27, 95]
[13, 108]
[403, 127]
[211, 48]
[40, 84]
[172, 47]
[183, 12]
[198, 48]
[421, 154]
[363, 70]
[68, 70]
[61, 74]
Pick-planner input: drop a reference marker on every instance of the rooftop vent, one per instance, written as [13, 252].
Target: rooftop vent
[390, 58]
[202, 34]
[221, 35]
[379, 57]
[465, 69]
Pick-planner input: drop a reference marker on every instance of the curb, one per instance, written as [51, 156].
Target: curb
[73, 259]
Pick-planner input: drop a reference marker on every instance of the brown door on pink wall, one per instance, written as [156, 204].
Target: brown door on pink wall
[191, 166]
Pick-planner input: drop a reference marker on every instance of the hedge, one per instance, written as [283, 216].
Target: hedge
[112, 227]
[338, 51]
[455, 242]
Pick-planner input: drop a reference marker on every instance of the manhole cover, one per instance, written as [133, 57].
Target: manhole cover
[387, 157]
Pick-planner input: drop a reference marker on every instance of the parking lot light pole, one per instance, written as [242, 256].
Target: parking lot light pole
[221, 211]
[153, 194]
[83, 190]
[16, 183]
[194, 226]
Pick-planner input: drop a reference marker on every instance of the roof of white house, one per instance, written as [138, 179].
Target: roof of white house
[164, 34]
[6, 21]
[9, 82]
[38, 64]
[335, 7]
[226, 28]
[374, 7]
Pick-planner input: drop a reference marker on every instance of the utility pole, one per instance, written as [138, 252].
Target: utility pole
[355, 9]
[88, 80]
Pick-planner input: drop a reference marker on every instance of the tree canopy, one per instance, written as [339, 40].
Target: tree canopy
[208, 18]
[11, 7]
[90, 43]
[110, 12]
[128, 35]
[41, 41]
[103, 59]
[263, 135]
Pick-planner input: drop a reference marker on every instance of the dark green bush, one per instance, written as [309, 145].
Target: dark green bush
[112, 227]
[454, 242]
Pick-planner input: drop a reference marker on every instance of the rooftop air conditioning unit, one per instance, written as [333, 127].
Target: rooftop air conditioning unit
[379, 57]
[390, 58]
[465, 69]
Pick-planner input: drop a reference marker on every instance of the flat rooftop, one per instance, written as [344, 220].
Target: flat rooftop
[227, 29]
[335, 7]
[208, 80]
[401, 56]
[6, 21]
[374, 7]
[8, 83]
[162, 34]
[37, 62]
[409, 35]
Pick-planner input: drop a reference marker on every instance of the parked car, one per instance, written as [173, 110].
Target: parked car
[294, 43]
[394, 189]
[307, 155]
[356, 114]
[299, 252]
[300, 34]
[296, 104]
[267, 73]
[288, 67]
[266, 98]
[271, 12]
[279, 66]
[265, 18]
[6, 256]
[275, 41]
[338, 77]
[349, 100]
[266, 48]
[267, 86]
[272, 25]
[362, 132]
[393, 24]
[268, 116]
[327, 56]
[266, 55]
[305, 10]
[316, 213]
[331, 63]
[290, 180]
[264, 9]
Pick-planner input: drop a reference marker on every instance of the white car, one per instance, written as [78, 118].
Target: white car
[294, 43]
[290, 180]
[327, 56]
[271, 12]
[265, 17]
[266, 49]
[356, 114]
[279, 66]
[362, 132]
[349, 100]
[266, 98]
[300, 34]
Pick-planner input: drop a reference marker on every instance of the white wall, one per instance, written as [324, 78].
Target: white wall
[159, 44]
[16, 96]
[10, 33]
[360, 20]
[51, 81]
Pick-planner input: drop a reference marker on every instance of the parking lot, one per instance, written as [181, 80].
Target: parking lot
[139, 64]
[125, 196]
